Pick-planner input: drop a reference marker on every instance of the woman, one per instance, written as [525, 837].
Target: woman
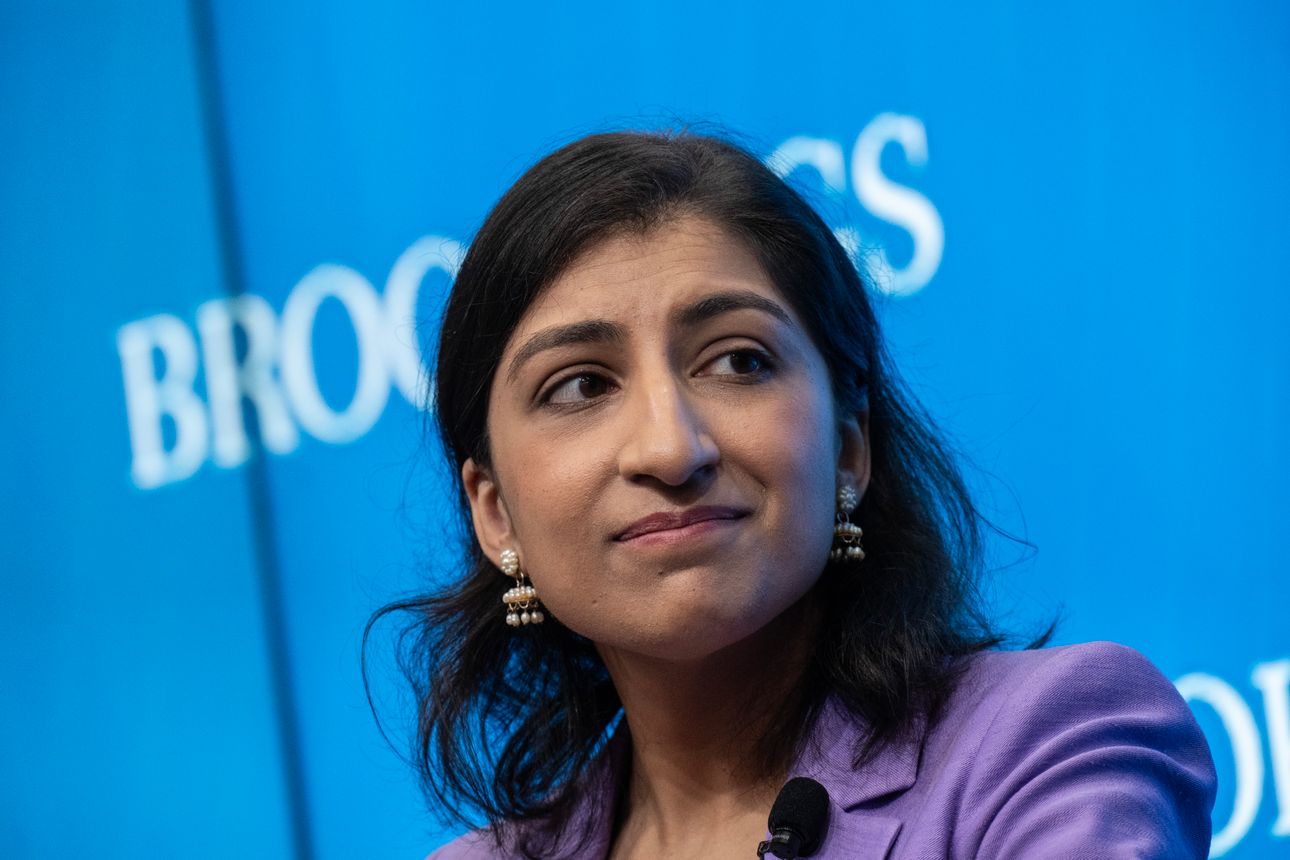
[676, 429]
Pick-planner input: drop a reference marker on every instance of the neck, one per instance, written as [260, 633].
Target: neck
[697, 727]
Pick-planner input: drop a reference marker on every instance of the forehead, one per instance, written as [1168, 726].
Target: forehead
[640, 276]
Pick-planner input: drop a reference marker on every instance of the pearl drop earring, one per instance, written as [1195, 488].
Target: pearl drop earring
[521, 600]
[846, 534]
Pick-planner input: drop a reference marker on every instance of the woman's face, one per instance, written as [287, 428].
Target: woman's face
[665, 448]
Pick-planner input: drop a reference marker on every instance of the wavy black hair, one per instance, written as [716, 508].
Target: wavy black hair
[510, 720]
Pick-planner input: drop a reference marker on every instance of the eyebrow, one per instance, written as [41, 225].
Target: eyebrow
[725, 302]
[604, 331]
[589, 331]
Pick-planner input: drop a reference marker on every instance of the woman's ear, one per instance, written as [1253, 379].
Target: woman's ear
[853, 452]
[487, 510]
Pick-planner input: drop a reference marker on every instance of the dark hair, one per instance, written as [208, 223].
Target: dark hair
[509, 720]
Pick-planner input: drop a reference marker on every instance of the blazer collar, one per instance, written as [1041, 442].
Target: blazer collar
[855, 833]
[826, 756]
[828, 753]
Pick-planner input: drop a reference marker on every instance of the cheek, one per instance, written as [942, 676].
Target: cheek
[553, 493]
[802, 470]
[547, 479]
[793, 442]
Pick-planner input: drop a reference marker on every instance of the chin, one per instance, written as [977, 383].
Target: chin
[687, 634]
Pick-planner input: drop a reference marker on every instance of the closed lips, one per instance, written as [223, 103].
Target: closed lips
[665, 521]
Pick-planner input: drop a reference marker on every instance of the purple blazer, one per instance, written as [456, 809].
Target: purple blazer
[1074, 752]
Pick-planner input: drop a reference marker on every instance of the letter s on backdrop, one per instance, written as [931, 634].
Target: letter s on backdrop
[898, 204]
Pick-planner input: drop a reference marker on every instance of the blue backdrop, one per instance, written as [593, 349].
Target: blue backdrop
[220, 224]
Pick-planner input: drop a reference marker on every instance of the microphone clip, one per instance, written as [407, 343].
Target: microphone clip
[784, 843]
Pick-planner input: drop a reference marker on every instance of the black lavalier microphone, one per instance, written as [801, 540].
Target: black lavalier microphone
[798, 819]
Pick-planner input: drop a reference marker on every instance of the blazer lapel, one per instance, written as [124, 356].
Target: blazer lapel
[859, 837]
[827, 757]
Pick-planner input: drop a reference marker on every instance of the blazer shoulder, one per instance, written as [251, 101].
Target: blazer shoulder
[1101, 675]
[473, 845]
[1101, 689]
[1086, 662]
[1070, 742]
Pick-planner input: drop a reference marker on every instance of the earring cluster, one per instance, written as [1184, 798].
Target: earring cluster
[846, 534]
[521, 600]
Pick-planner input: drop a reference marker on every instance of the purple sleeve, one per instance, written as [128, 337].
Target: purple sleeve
[1094, 754]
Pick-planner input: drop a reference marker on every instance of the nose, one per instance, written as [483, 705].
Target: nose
[668, 441]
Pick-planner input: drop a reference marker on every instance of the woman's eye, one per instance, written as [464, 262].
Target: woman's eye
[740, 362]
[578, 389]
